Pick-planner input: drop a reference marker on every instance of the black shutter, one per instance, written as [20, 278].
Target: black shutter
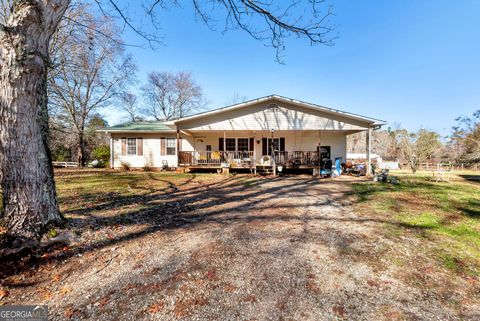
[252, 141]
[282, 144]
[264, 146]
[220, 144]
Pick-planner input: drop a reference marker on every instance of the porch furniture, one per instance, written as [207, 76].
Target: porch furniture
[442, 175]
[165, 166]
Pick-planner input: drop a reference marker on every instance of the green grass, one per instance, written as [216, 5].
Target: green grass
[445, 215]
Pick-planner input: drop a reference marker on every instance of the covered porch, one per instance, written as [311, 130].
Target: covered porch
[262, 150]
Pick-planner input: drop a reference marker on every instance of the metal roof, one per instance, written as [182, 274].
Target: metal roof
[140, 126]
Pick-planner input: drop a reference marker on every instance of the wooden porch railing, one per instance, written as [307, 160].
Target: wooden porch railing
[215, 158]
[303, 158]
[246, 159]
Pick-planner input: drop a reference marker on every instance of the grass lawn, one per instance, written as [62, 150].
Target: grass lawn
[168, 246]
[445, 215]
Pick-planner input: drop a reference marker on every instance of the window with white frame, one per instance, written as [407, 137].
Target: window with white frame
[171, 146]
[230, 144]
[131, 146]
[242, 144]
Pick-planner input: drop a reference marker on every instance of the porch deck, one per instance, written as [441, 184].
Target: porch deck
[219, 159]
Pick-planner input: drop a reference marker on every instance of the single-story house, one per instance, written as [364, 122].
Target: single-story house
[260, 134]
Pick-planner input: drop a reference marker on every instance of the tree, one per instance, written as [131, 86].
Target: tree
[171, 96]
[29, 199]
[89, 71]
[465, 138]
[419, 147]
[29, 196]
[129, 104]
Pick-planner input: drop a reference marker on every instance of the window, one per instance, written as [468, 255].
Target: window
[131, 146]
[242, 144]
[276, 145]
[230, 144]
[208, 148]
[171, 146]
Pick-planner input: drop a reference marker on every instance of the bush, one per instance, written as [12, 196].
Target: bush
[61, 154]
[101, 153]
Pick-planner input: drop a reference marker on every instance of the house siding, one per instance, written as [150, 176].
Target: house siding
[151, 151]
[285, 117]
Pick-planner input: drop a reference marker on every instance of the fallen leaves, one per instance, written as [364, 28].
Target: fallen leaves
[156, 307]
[4, 293]
[56, 278]
[339, 310]
[65, 290]
[69, 312]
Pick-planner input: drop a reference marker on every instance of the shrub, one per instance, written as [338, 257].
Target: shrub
[101, 153]
[61, 154]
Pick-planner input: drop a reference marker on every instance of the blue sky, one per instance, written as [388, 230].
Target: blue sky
[415, 63]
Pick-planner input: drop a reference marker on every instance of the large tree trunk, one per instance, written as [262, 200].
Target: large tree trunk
[29, 197]
[81, 151]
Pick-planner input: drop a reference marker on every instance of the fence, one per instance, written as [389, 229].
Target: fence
[449, 166]
[64, 164]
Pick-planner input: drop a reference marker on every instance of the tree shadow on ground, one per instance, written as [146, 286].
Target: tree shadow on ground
[185, 207]
[471, 178]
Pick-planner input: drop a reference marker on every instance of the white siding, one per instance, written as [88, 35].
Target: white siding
[286, 117]
[151, 151]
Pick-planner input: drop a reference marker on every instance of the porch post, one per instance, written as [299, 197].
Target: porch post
[369, 157]
[224, 142]
[255, 153]
[112, 152]
[178, 148]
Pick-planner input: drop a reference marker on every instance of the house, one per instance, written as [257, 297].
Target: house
[269, 133]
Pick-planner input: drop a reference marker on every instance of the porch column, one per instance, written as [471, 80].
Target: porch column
[369, 157]
[178, 147]
[255, 153]
[224, 142]
[112, 152]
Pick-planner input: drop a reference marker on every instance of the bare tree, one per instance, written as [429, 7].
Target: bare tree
[129, 103]
[465, 139]
[171, 96]
[89, 70]
[419, 147]
[236, 98]
[26, 27]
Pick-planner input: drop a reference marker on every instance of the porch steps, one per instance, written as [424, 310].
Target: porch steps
[261, 169]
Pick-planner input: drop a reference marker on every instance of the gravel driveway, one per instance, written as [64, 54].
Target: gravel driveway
[288, 248]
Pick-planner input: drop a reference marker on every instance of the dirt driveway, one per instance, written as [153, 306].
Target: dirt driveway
[271, 249]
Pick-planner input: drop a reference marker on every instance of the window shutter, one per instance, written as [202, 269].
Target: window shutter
[140, 146]
[282, 144]
[124, 145]
[250, 145]
[264, 146]
[163, 146]
[220, 144]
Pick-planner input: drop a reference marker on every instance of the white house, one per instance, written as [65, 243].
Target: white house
[295, 134]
